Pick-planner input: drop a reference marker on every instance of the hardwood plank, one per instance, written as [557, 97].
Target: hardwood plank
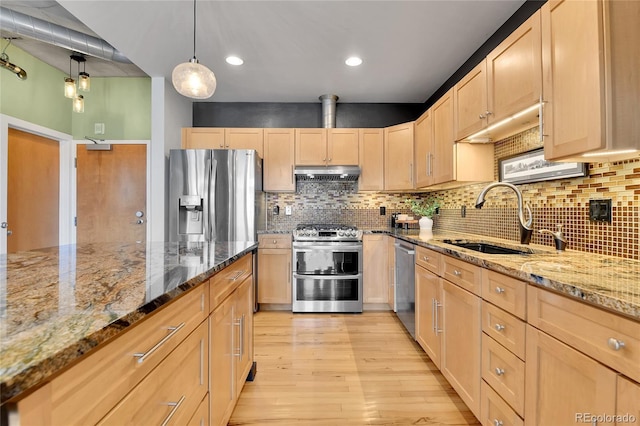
[333, 369]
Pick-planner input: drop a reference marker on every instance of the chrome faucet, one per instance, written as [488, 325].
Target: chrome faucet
[558, 238]
[525, 225]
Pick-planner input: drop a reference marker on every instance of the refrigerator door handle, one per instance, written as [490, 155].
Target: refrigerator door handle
[213, 170]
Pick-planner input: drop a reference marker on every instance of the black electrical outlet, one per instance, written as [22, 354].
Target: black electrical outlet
[276, 210]
[383, 211]
[600, 210]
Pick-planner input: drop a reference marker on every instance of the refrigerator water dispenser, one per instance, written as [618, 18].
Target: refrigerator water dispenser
[190, 215]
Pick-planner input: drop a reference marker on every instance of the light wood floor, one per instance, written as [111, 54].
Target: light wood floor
[334, 369]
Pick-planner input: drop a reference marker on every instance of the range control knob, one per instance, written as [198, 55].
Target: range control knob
[340, 234]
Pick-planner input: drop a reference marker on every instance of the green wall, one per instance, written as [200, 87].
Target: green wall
[39, 99]
[123, 104]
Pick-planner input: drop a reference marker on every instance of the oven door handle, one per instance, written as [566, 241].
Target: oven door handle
[338, 248]
[328, 277]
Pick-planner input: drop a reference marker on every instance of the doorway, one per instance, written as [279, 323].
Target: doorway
[111, 193]
[33, 191]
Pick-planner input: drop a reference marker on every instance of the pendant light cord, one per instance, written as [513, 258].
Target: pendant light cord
[194, 29]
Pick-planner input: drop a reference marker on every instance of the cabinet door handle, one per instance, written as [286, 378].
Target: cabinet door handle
[242, 319]
[411, 173]
[497, 422]
[615, 344]
[144, 355]
[176, 406]
[292, 175]
[499, 371]
[425, 258]
[457, 273]
[236, 275]
[433, 315]
[289, 275]
[438, 329]
[482, 116]
[499, 290]
[499, 327]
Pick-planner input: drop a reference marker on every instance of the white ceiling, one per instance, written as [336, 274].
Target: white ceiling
[294, 51]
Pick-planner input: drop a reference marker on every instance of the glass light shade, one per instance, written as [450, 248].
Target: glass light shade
[84, 82]
[193, 80]
[69, 88]
[78, 104]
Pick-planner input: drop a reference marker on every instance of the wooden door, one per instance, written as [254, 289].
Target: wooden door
[240, 138]
[398, 157]
[470, 96]
[574, 95]
[562, 383]
[222, 392]
[514, 71]
[342, 147]
[443, 140]
[461, 342]
[374, 254]
[278, 160]
[428, 313]
[423, 150]
[311, 147]
[371, 153]
[275, 275]
[203, 138]
[111, 189]
[33, 191]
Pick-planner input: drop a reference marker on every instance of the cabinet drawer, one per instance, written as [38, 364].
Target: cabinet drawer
[508, 293]
[227, 280]
[165, 397]
[274, 241]
[464, 274]
[591, 330]
[428, 259]
[495, 411]
[88, 391]
[201, 416]
[504, 372]
[506, 329]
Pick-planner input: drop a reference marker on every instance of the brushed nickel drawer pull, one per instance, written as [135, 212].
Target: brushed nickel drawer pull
[615, 344]
[497, 422]
[499, 327]
[457, 273]
[144, 355]
[237, 275]
[275, 242]
[425, 258]
[175, 406]
[499, 371]
[499, 290]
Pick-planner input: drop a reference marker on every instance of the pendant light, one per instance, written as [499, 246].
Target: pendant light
[192, 79]
[84, 80]
[69, 84]
[78, 104]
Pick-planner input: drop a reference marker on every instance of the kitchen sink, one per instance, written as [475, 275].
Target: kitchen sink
[486, 247]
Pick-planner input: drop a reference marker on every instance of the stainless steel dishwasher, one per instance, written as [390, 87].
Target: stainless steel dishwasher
[405, 286]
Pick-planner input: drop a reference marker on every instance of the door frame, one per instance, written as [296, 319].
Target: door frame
[74, 180]
[67, 182]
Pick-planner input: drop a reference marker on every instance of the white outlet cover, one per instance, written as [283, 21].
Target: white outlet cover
[287, 210]
[98, 128]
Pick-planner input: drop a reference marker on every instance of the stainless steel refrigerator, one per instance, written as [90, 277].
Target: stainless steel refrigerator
[215, 195]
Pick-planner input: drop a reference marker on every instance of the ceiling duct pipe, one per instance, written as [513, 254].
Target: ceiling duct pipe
[60, 36]
[328, 111]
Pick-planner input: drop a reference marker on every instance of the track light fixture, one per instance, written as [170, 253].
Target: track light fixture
[6, 64]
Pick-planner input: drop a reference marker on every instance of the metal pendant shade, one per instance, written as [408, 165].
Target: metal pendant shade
[192, 79]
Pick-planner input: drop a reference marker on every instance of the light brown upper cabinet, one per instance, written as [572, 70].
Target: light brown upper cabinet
[591, 85]
[440, 162]
[371, 153]
[398, 157]
[202, 138]
[278, 160]
[506, 82]
[325, 147]
[223, 138]
[245, 138]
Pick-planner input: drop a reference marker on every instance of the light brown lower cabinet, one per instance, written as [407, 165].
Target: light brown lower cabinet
[461, 343]
[374, 263]
[274, 269]
[564, 386]
[429, 312]
[391, 253]
[494, 411]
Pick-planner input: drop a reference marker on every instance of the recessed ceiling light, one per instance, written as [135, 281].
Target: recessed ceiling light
[234, 60]
[353, 61]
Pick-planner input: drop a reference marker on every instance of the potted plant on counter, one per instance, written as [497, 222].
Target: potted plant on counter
[427, 208]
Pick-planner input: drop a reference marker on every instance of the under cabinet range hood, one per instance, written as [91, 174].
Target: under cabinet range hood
[327, 173]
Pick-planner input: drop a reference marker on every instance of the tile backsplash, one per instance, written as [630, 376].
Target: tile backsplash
[563, 201]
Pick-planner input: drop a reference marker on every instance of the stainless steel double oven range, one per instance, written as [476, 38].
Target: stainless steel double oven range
[327, 268]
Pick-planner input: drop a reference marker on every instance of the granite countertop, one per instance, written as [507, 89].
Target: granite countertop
[612, 283]
[58, 303]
